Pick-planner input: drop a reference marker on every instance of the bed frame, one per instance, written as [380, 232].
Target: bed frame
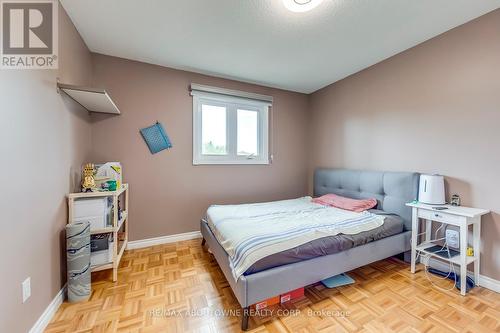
[391, 189]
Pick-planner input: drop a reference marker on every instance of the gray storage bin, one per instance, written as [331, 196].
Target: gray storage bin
[99, 242]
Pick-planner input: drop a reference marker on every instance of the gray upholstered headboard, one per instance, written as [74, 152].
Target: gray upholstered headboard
[391, 189]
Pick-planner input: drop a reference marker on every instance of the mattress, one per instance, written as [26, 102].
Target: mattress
[393, 225]
[251, 232]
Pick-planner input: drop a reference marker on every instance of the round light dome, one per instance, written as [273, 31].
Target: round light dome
[301, 5]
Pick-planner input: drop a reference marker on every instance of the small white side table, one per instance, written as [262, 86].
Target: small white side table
[461, 217]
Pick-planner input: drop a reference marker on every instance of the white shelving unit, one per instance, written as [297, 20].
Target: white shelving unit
[120, 238]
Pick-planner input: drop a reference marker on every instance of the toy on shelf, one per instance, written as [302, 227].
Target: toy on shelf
[109, 185]
[88, 181]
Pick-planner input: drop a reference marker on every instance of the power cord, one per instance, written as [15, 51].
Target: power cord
[451, 269]
[425, 259]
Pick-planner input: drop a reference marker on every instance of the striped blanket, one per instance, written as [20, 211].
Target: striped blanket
[251, 232]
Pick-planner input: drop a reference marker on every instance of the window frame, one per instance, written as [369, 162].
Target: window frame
[232, 105]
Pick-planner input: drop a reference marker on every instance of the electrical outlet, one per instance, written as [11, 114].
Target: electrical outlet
[452, 238]
[26, 289]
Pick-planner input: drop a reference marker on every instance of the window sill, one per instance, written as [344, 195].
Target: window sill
[243, 162]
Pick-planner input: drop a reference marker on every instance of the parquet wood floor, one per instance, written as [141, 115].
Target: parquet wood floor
[180, 288]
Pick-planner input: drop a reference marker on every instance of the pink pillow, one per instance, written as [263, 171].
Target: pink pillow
[345, 203]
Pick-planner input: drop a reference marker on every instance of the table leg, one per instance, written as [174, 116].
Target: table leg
[428, 230]
[476, 234]
[463, 259]
[414, 233]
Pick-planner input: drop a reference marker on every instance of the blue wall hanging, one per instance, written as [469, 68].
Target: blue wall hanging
[156, 138]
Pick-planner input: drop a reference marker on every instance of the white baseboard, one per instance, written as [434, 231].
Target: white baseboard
[137, 244]
[489, 283]
[484, 281]
[49, 312]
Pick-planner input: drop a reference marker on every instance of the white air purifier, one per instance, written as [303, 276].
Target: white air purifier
[431, 190]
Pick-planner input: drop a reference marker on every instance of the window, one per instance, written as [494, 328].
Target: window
[229, 129]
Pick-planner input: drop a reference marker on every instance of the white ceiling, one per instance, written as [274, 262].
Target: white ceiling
[259, 41]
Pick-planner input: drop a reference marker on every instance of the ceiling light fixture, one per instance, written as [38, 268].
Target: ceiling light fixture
[300, 6]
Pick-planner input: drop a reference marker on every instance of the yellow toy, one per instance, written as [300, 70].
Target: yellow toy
[88, 181]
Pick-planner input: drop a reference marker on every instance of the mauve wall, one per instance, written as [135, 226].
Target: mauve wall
[433, 108]
[45, 137]
[168, 195]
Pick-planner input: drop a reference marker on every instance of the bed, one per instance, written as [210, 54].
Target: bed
[321, 258]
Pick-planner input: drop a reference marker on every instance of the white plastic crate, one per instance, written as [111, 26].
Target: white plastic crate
[96, 211]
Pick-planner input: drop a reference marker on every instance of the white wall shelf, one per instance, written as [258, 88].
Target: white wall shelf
[92, 99]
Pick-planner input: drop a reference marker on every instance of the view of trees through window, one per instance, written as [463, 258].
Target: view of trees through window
[214, 141]
[213, 131]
